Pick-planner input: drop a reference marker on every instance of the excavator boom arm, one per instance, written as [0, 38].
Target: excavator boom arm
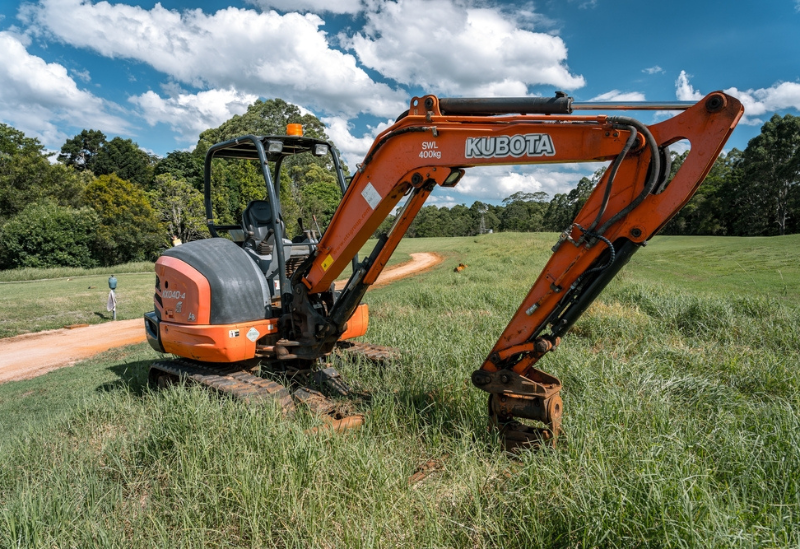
[634, 199]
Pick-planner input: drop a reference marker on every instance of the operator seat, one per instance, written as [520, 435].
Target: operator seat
[257, 222]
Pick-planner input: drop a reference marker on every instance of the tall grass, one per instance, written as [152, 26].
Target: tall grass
[681, 414]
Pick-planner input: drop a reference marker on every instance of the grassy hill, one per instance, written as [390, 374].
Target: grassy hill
[681, 393]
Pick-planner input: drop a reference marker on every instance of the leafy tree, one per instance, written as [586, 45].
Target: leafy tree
[27, 177]
[124, 158]
[319, 201]
[489, 213]
[179, 207]
[13, 142]
[704, 212]
[563, 209]
[431, 222]
[129, 229]
[234, 184]
[267, 118]
[766, 179]
[49, 235]
[182, 165]
[262, 118]
[81, 151]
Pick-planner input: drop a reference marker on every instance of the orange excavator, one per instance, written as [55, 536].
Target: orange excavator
[225, 305]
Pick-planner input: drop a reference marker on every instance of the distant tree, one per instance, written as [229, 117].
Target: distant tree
[564, 207]
[124, 158]
[182, 165]
[767, 178]
[431, 222]
[490, 218]
[234, 184]
[516, 217]
[129, 229]
[319, 200]
[81, 151]
[49, 235]
[462, 221]
[179, 207]
[522, 196]
[386, 226]
[703, 214]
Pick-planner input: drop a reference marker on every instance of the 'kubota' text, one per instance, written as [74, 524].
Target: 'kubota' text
[532, 144]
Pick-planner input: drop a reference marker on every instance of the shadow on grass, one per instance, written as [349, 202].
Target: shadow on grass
[132, 377]
[101, 315]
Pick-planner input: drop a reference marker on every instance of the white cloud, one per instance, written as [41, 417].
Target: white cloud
[616, 95]
[454, 49]
[353, 149]
[653, 70]
[317, 6]
[38, 97]
[785, 95]
[82, 75]
[494, 183]
[266, 54]
[684, 90]
[189, 114]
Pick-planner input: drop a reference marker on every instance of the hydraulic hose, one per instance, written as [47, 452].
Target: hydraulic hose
[613, 172]
[655, 168]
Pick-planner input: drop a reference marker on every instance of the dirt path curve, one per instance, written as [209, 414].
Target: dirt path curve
[30, 355]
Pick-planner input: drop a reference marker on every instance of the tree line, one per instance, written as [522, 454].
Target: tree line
[106, 201]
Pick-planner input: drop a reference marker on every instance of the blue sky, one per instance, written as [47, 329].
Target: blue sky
[160, 73]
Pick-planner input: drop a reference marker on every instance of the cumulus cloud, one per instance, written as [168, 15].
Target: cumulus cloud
[352, 148]
[653, 70]
[267, 54]
[616, 95]
[317, 6]
[785, 95]
[38, 97]
[684, 90]
[459, 50]
[189, 114]
[494, 183]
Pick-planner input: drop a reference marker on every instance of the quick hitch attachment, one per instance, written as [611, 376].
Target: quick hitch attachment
[535, 396]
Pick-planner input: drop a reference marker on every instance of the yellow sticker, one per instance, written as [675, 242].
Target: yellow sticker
[327, 263]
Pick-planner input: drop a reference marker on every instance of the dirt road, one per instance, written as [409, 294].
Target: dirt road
[31, 355]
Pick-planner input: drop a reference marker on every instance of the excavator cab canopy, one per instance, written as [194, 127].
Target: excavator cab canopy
[262, 232]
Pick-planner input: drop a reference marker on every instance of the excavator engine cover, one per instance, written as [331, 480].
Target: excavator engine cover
[211, 302]
[234, 288]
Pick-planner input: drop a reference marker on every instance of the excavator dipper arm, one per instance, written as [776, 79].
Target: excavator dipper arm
[436, 141]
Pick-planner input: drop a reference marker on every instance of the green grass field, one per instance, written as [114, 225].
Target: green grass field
[32, 300]
[681, 393]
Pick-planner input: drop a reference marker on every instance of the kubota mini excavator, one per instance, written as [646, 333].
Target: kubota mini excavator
[226, 305]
